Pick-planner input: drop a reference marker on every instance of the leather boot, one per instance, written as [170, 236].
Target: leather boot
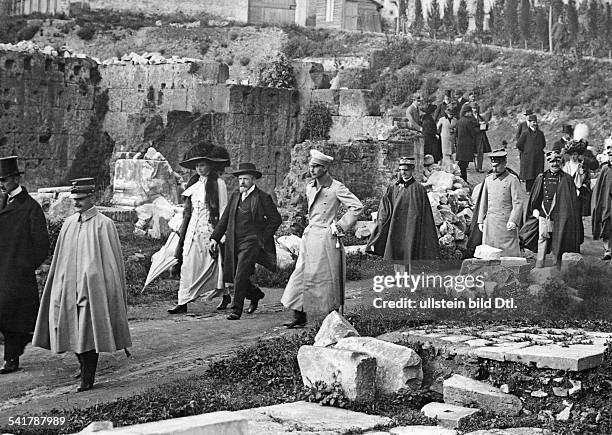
[299, 320]
[10, 366]
[227, 299]
[88, 373]
[178, 309]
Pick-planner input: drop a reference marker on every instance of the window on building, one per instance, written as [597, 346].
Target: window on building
[329, 10]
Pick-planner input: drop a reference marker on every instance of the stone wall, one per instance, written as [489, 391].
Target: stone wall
[51, 109]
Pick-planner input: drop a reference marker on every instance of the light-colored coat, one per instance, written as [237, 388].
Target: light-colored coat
[84, 304]
[316, 284]
[446, 129]
[501, 202]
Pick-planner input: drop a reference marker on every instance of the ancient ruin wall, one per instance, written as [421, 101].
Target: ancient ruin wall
[50, 115]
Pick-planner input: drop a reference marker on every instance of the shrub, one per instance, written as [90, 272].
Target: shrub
[277, 74]
[233, 36]
[327, 395]
[458, 66]
[204, 47]
[27, 33]
[317, 123]
[245, 60]
[87, 32]
[228, 60]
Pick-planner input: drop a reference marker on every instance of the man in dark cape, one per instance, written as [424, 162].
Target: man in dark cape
[405, 228]
[554, 202]
[601, 205]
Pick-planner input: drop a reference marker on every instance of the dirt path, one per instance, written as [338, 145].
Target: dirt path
[166, 347]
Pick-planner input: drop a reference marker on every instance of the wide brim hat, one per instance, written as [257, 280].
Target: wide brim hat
[247, 168]
[574, 147]
[216, 155]
[9, 167]
[532, 117]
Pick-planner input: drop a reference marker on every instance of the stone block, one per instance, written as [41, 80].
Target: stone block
[98, 426]
[511, 431]
[421, 430]
[541, 275]
[487, 252]
[397, 366]
[347, 128]
[329, 97]
[211, 72]
[356, 372]
[357, 102]
[462, 391]
[173, 99]
[214, 423]
[334, 328]
[569, 260]
[138, 182]
[450, 416]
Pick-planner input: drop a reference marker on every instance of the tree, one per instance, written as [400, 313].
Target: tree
[433, 19]
[417, 24]
[402, 9]
[572, 21]
[525, 21]
[496, 20]
[463, 20]
[541, 26]
[557, 7]
[511, 21]
[448, 19]
[592, 19]
[479, 16]
[608, 26]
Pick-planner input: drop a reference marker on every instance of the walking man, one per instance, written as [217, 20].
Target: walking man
[405, 229]
[249, 223]
[84, 303]
[553, 200]
[601, 205]
[522, 127]
[317, 282]
[467, 134]
[531, 144]
[501, 207]
[24, 245]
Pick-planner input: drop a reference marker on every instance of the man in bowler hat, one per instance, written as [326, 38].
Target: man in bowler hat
[249, 223]
[24, 245]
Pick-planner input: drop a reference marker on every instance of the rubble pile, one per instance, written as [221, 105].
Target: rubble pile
[451, 204]
[146, 59]
[30, 47]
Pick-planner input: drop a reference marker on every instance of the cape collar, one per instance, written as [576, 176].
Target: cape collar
[86, 215]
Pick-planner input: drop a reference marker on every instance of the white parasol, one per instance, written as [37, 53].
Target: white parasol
[163, 259]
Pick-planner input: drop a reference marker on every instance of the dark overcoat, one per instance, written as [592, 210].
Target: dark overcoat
[24, 245]
[601, 205]
[568, 231]
[267, 220]
[431, 141]
[467, 134]
[531, 144]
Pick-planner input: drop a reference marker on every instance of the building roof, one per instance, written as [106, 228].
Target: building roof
[378, 5]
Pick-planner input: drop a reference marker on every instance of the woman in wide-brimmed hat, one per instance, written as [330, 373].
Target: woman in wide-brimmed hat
[205, 199]
[574, 166]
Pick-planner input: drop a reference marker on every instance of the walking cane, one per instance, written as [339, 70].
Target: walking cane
[339, 245]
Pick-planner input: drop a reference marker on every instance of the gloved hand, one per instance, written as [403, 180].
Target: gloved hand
[536, 213]
[510, 226]
[481, 227]
[334, 229]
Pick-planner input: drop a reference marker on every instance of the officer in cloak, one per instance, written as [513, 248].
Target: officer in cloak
[405, 230]
[601, 205]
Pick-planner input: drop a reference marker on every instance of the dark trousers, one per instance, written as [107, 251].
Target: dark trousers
[479, 157]
[463, 167]
[14, 344]
[89, 364]
[247, 253]
[529, 185]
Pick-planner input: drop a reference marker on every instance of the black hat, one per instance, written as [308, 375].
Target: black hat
[574, 146]
[216, 154]
[567, 129]
[8, 167]
[528, 112]
[82, 188]
[247, 168]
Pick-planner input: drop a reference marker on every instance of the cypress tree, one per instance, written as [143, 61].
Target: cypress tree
[511, 21]
[572, 21]
[417, 24]
[463, 21]
[525, 21]
[433, 19]
[479, 15]
[541, 26]
[448, 20]
[592, 19]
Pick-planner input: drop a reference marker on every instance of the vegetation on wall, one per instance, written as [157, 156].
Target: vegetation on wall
[317, 123]
[277, 74]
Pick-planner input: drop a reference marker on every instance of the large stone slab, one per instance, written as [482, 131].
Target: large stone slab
[575, 357]
[397, 366]
[463, 391]
[511, 431]
[450, 416]
[422, 430]
[214, 423]
[569, 260]
[355, 371]
[334, 328]
[358, 102]
[305, 417]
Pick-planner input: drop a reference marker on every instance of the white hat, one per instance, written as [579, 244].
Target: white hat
[318, 158]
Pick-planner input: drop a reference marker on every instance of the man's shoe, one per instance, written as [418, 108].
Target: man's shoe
[233, 316]
[85, 386]
[295, 324]
[227, 299]
[607, 257]
[10, 366]
[255, 303]
[178, 309]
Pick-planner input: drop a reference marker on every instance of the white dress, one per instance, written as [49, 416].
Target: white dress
[200, 273]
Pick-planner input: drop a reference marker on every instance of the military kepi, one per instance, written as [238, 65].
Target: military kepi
[318, 158]
[82, 188]
[8, 167]
[552, 155]
[498, 155]
[407, 161]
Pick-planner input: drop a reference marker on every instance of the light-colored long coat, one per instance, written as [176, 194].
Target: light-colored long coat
[316, 282]
[84, 304]
[501, 202]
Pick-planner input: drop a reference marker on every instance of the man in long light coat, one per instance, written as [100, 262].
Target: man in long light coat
[316, 284]
[501, 207]
[84, 304]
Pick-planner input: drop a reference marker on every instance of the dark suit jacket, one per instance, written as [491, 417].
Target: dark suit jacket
[267, 220]
[24, 245]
